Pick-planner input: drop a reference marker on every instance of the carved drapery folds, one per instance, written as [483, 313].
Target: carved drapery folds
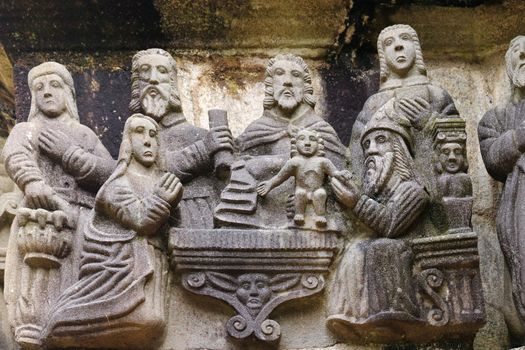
[411, 283]
[502, 143]
[254, 222]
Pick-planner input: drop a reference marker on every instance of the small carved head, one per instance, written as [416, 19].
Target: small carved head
[308, 143]
[52, 91]
[154, 83]
[515, 61]
[140, 141]
[399, 50]
[288, 83]
[451, 158]
[254, 290]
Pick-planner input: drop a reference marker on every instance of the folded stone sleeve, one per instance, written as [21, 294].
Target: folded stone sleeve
[189, 162]
[145, 216]
[392, 219]
[87, 168]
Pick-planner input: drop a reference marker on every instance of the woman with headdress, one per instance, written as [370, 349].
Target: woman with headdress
[119, 299]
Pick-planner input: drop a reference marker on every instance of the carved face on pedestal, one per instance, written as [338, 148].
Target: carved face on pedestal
[288, 84]
[379, 157]
[144, 142]
[400, 51]
[452, 157]
[253, 291]
[50, 95]
[516, 61]
[307, 143]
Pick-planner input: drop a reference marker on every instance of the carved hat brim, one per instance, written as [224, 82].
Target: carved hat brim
[387, 118]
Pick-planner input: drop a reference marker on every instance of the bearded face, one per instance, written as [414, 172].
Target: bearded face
[517, 62]
[288, 85]
[379, 153]
[156, 91]
[378, 170]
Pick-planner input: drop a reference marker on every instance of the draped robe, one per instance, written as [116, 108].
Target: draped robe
[506, 163]
[120, 296]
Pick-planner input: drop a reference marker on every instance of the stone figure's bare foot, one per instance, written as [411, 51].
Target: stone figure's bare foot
[298, 219]
[320, 221]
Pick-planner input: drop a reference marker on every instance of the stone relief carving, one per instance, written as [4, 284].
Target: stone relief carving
[10, 197]
[502, 139]
[58, 164]
[291, 257]
[309, 168]
[119, 299]
[376, 283]
[381, 290]
[453, 183]
[254, 271]
[265, 147]
[190, 152]
[242, 231]
[403, 76]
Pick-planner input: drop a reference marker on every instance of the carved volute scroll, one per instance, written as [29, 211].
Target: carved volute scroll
[98, 246]
[273, 241]
[384, 289]
[253, 271]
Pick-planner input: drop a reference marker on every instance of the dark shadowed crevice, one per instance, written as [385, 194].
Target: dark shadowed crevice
[40, 26]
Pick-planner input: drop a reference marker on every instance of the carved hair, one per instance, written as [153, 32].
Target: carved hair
[67, 81]
[135, 105]
[508, 58]
[308, 92]
[125, 153]
[403, 164]
[384, 70]
[320, 143]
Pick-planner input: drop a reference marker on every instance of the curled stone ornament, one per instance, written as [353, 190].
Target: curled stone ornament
[196, 280]
[430, 280]
[311, 281]
[270, 331]
[238, 327]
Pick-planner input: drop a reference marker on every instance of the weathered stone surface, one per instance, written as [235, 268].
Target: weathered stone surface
[254, 271]
[234, 84]
[501, 140]
[259, 27]
[375, 296]
[119, 298]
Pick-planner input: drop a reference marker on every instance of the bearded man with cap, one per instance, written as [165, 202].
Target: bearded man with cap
[58, 163]
[403, 76]
[373, 282]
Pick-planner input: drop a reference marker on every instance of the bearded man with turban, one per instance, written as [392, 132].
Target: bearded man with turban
[403, 76]
[373, 283]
